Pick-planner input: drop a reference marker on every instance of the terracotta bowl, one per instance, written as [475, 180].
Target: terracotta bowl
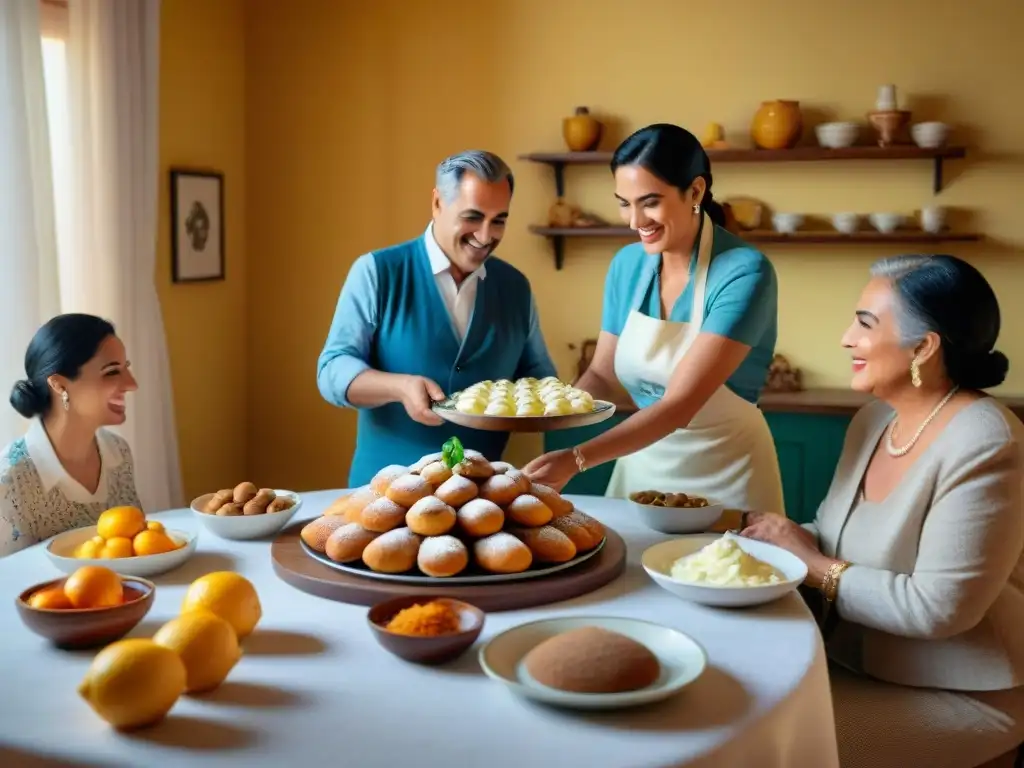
[76, 628]
[425, 650]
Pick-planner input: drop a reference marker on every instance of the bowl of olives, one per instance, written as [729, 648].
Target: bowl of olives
[675, 512]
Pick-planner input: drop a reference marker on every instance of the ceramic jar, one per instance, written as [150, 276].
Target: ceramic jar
[582, 132]
[777, 125]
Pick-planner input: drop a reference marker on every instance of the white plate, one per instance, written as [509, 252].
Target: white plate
[242, 527]
[602, 410]
[61, 550]
[469, 576]
[658, 560]
[682, 661]
[678, 519]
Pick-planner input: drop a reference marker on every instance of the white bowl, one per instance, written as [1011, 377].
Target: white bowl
[929, 135]
[61, 550]
[886, 222]
[682, 661]
[787, 223]
[678, 519]
[847, 223]
[658, 560]
[241, 527]
[837, 135]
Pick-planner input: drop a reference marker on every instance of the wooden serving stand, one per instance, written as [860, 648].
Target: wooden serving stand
[295, 567]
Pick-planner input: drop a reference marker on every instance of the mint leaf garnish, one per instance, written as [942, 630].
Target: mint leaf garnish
[452, 452]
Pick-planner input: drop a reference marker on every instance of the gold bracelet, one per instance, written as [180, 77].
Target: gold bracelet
[830, 583]
[581, 465]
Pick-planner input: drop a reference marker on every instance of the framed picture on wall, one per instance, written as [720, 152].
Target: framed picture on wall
[197, 225]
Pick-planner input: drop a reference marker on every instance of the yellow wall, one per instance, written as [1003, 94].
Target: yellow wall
[347, 112]
[202, 124]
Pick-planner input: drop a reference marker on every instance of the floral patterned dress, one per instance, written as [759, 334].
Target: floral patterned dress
[38, 499]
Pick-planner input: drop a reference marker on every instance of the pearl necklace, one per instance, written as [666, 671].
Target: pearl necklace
[897, 452]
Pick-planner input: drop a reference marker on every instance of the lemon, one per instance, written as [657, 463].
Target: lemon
[133, 683]
[206, 643]
[228, 595]
[89, 550]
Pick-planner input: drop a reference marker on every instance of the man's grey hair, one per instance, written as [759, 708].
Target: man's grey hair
[912, 325]
[485, 165]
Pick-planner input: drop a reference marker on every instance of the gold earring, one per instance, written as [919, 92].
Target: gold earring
[915, 372]
[65, 400]
[696, 209]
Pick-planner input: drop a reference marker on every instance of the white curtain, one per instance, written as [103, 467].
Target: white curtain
[113, 70]
[29, 288]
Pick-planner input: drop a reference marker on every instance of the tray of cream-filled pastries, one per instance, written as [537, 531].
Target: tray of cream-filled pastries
[524, 405]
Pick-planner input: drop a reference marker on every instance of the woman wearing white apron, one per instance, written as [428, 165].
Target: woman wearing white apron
[688, 331]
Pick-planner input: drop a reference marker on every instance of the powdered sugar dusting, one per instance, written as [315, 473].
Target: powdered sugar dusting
[430, 505]
[476, 510]
[396, 539]
[456, 485]
[442, 546]
[384, 506]
[410, 483]
[497, 545]
[501, 467]
[352, 532]
[430, 458]
[390, 472]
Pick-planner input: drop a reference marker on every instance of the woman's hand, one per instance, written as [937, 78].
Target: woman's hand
[553, 469]
[781, 531]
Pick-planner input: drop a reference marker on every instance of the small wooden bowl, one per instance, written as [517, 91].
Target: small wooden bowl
[425, 650]
[77, 628]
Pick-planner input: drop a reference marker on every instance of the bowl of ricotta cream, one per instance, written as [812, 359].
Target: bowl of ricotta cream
[723, 570]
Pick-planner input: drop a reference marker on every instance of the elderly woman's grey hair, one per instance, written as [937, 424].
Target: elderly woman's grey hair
[485, 165]
[941, 294]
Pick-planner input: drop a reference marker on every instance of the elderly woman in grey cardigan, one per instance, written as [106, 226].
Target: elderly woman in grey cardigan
[917, 548]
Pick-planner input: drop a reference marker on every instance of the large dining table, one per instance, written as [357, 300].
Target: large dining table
[314, 687]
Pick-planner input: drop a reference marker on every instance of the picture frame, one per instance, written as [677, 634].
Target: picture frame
[197, 225]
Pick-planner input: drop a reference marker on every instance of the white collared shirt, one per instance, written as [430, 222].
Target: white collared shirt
[39, 499]
[459, 300]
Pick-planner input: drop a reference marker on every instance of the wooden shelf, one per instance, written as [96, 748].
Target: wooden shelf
[559, 160]
[820, 237]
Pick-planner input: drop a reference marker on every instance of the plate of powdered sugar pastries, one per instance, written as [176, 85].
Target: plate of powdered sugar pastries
[452, 517]
[523, 405]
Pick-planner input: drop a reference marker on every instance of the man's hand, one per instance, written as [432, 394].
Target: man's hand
[417, 394]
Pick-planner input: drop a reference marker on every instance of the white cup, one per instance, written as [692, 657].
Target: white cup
[886, 100]
[933, 219]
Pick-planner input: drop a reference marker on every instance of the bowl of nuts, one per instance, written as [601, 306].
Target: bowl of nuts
[675, 512]
[246, 511]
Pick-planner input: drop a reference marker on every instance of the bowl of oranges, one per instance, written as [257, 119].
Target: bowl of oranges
[126, 541]
[91, 607]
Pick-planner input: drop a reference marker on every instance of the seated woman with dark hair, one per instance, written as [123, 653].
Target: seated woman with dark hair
[67, 469]
[917, 548]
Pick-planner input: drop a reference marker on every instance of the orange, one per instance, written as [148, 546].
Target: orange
[228, 595]
[89, 550]
[93, 586]
[120, 521]
[155, 525]
[119, 546]
[133, 683]
[51, 598]
[153, 543]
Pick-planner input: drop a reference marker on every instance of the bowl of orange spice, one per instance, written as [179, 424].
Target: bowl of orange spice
[426, 630]
[91, 607]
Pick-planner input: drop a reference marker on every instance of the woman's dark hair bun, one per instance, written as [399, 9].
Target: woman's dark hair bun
[27, 401]
[982, 371]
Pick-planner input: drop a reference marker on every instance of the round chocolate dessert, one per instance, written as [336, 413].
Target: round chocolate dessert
[592, 660]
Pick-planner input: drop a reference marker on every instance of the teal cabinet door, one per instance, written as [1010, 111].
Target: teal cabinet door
[808, 446]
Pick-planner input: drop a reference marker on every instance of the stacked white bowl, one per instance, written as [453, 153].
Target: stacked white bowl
[837, 135]
[929, 135]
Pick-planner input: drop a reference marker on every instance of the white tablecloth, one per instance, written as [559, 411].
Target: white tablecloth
[314, 685]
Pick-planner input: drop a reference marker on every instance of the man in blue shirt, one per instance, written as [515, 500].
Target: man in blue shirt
[430, 316]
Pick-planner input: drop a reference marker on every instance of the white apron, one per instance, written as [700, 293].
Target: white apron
[727, 453]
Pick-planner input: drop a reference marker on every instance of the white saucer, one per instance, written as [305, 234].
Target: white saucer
[682, 661]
